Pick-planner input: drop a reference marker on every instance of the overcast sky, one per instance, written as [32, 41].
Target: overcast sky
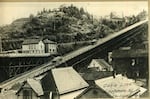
[11, 11]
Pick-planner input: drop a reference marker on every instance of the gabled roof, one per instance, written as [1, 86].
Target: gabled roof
[93, 92]
[68, 80]
[31, 41]
[102, 62]
[36, 86]
[46, 41]
[119, 86]
[36, 41]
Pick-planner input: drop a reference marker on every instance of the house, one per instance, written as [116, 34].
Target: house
[100, 65]
[120, 87]
[39, 46]
[64, 83]
[31, 89]
[50, 46]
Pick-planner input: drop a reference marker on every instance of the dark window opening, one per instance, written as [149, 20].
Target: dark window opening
[27, 94]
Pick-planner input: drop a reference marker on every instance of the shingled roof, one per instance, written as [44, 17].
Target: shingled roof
[31, 41]
[36, 41]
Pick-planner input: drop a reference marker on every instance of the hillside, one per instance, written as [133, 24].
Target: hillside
[65, 24]
[55, 24]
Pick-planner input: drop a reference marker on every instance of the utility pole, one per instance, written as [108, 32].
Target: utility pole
[0, 44]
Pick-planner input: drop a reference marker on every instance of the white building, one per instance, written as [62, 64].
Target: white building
[33, 46]
[38, 46]
[100, 65]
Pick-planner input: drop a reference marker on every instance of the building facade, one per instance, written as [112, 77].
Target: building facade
[33, 46]
[132, 62]
[38, 46]
[50, 46]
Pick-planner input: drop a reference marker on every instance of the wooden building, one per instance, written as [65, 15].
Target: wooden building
[131, 62]
[31, 89]
[100, 65]
[50, 46]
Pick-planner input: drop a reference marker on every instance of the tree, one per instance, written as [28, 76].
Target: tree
[82, 11]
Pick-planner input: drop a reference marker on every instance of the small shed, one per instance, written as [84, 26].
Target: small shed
[100, 65]
[31, 89]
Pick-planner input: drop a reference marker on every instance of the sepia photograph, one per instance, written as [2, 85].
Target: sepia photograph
[74, 50]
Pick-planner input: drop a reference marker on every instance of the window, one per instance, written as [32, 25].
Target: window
[27, 94]
[34, 46]
[31, 46]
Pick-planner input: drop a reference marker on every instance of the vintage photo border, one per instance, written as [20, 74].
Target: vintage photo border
[95, 1]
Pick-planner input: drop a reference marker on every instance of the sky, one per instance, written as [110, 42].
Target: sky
[11, 11]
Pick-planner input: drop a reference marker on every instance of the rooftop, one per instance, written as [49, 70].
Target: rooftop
[94, 75]
[36, 41]
[93, 92]
[46, 41]
[120, 86]
[130, 53]
[102, 62]
[67, 80]
[31, 41]
[36, 86]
